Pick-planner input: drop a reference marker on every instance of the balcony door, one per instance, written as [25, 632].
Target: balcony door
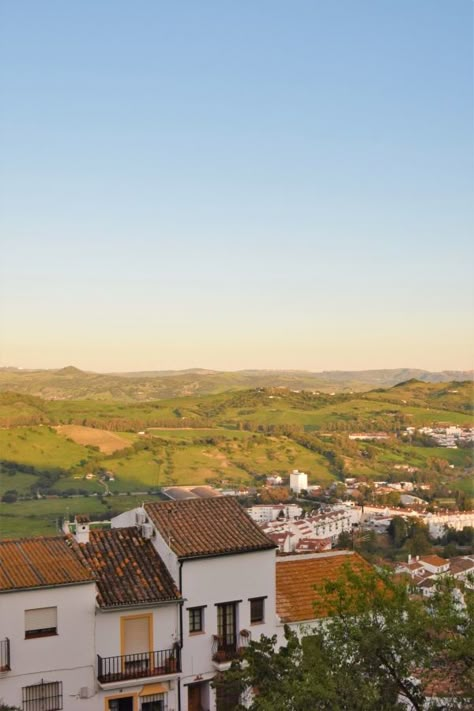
[226, 626]
[136, 640]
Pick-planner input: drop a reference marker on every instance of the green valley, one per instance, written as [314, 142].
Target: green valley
[105, 451]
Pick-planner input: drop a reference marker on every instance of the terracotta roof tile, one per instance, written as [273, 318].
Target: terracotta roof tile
[207, 527]
[434, 560]
[460, 565]
[127, 568]
[39, 562]
[313, 544]
[296, 580]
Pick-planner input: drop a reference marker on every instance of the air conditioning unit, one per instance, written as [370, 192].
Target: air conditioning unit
[140, 517]
[147, 530]
[84, 692]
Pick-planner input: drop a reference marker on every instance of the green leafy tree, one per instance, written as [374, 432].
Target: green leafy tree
[398, 531]
[344, 540]
[377, 651]
[418, 541]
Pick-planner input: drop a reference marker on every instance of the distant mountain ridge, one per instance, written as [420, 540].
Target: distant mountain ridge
[71, 383]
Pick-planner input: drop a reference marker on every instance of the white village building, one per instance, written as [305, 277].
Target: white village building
[298, 481]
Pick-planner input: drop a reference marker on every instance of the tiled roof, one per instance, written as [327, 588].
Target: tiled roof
[127, 568]
[207, 527]
[434, 560]
[313, 544]
[39, 562]
[296, 580]
[460, 565]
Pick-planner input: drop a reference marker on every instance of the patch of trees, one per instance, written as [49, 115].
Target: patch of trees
[45, 478]
[409, 535]
[379, 650]
[10, 496]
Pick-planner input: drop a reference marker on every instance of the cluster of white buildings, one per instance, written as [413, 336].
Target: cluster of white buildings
[143, 615]
[263, 513]
[446, 436]
[379, 517]
[425, 571]
[313, 533]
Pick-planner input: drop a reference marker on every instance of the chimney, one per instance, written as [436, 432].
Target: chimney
[409, 558]
[82, 529]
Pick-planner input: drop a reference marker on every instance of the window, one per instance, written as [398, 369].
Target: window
[257, 609]
[41, 622]
[196, 619]
[125, 703]
[46, 696]
[227, 626]
[155, 702]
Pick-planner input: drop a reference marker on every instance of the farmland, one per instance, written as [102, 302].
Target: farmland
[92, 448]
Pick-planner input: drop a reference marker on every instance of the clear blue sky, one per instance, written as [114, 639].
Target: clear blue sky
[234, 184]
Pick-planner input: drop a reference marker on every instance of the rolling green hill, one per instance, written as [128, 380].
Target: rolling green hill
[72, 383]
[62, 448]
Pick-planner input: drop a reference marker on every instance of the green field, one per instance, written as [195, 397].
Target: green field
[41, 517]
[40, 446]
[229, 438]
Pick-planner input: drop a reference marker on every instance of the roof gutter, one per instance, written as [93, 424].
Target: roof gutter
[140, 605]
[184, 558]
[46, 587]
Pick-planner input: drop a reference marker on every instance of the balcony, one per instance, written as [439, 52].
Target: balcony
[5, 655]
[225, 652]
[138, 666]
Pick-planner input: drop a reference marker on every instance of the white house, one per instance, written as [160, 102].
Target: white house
[323, 529]
[223, 566]
[137, 624]
[91, 622]
[298, 481]
[272, 512]
[47, 618]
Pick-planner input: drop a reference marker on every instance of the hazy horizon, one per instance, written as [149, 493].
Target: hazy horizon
[244, 185]
[236, 370]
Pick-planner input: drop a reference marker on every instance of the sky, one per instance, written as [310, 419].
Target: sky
[236, 184]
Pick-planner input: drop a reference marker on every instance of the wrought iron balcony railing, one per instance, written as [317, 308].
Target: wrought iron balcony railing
[5, 654]
[225, 651]
[138, 666]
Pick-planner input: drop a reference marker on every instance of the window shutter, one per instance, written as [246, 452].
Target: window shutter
[41, 618]
[136, 635]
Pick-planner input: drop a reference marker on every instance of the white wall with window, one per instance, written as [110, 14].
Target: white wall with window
[51, 635]
[134, 630]
[228, 595]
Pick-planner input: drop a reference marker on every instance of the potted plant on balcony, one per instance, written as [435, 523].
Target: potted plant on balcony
[172, 661]
[220, 656]
[171, 665]
[245, 636]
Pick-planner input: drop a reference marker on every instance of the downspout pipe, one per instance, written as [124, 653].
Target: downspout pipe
[180, 630]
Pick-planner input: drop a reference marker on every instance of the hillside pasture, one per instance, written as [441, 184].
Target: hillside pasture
[107, 442]
[41, 447]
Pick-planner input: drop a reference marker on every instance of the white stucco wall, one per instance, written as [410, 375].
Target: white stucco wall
[208, 581]
[68, 656]
[125, 519]
[165, 628]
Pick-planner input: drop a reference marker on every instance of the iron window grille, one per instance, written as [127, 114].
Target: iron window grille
[154, 702]
[45, 696]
